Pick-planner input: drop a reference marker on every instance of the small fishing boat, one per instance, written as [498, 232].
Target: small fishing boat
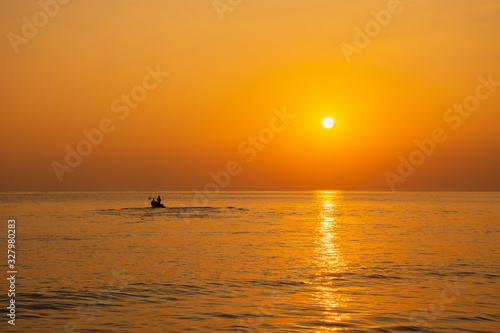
[156, 203]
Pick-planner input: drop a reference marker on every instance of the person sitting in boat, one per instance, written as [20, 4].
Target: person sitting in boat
[159, 200]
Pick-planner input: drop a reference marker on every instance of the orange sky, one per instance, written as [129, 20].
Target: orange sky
[225, 79]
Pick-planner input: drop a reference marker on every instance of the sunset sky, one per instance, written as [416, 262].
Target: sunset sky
[231, 70]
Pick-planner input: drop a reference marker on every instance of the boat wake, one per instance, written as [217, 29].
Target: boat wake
[169, 212]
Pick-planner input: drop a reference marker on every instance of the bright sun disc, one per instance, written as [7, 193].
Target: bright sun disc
[328, 122]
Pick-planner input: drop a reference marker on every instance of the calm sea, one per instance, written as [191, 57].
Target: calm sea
[254, 262]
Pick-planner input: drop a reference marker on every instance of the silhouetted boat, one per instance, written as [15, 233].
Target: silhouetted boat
[156, 204]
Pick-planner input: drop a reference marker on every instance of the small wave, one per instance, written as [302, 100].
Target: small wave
[480, 318]
[322, 323]
[403, 329]
[380, 276]
[223, 315]
[474, 318]
[491, 276]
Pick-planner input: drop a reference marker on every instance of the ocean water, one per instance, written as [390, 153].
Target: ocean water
[254, 262]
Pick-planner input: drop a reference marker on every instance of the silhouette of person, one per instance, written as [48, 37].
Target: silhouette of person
[158, 199]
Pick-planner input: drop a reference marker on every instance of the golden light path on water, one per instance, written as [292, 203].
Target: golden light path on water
[329, 260]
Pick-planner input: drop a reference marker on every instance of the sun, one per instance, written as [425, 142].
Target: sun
[328, 122]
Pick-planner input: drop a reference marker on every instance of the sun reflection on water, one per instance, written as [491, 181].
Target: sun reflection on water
[329, 261]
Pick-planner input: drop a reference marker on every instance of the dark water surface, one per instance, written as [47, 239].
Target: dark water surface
[254, 262]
